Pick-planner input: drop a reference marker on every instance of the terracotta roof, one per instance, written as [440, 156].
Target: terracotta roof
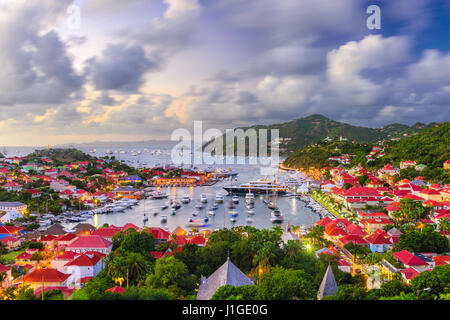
[91, 241]
[116, 289]
[408, 259]
[84, 260]
[159, 233]
[46, 275]
[198, 240]
[410, 273]
[377, 238]
[3, 268]
[441, 260]
[105, 232]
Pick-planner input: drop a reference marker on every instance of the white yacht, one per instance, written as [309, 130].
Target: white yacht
[235, 199]
[203, 198]
[219, 198]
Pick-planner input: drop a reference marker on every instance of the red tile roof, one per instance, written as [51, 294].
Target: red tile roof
[408, 259]
[198, 240]
[441, 260]
[91, 241]
[46, 275]
[116, 289]
[410, 273]
[377, 238]
[105, 232]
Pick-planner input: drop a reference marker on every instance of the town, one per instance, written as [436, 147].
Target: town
[379, 237]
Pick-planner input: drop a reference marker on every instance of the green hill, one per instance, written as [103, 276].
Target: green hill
[302, 132]
[430, 147]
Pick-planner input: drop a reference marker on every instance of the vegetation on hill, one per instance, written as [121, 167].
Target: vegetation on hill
[317, 155]
[314, 128]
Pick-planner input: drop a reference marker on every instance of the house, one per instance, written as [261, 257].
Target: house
[13, 206]
[9, 231]
[48, 240]
[65, 239]
[83, 268]
[10, 217]
[356, 239]
[12, 186]
[198, 240]
[24, 258]
[345, 266]
[55, 229]
[11, 242]
[378, 242]
[227, 274]
[376, 223]
[430, 194]
[45, 277]
[410, 260]
[90, 243]
[160, 235]
[406, 164]
[409, 273]
[6, 283]
[83, 229]
[61, 259]
[107, 233]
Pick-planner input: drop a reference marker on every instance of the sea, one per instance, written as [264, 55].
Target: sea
[294, 210]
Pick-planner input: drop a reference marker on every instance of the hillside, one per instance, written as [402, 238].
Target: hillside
[302, 132]
[60, 155]
[430, 147]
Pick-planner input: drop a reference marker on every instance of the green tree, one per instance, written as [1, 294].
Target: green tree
[286, 284]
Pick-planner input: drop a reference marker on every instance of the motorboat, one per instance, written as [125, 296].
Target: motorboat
[249, 220]
[195, 213]
[249, 198]
[175, 205]
[164, 207]
[199, 206]
[155, 213]
[213, 207]
[235, 199]
[233, 219]
[145, 218]
[186, 200]
[219, 198]
[203, 198]
[251, 212]
[206, 219]
[163, 219]
[174, 212]
[158, 195]
[276, 219]
[211, 212]
[257, 187]
[272, 205]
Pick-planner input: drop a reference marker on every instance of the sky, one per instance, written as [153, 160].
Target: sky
[107, 70]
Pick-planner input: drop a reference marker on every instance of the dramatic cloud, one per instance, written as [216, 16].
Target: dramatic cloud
[142, 68]
[120, 67]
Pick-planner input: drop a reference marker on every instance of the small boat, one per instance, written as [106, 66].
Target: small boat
[235, 199]
[163, 219]
[145, 218]
[214, 207]
[233, 219]
[277, 212]
[175, 205]
[211, 212]
[203, 198]
[234, 213]
[155, 213]
[251, 212]
[164, 207]
[231, 205]
[199, 206]
[185, 200]
[206, 219]
[276, 219]
[271, 205]
[219, 198]
[249, 220]
[174, 212]
[195, 213]
[249, 198]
